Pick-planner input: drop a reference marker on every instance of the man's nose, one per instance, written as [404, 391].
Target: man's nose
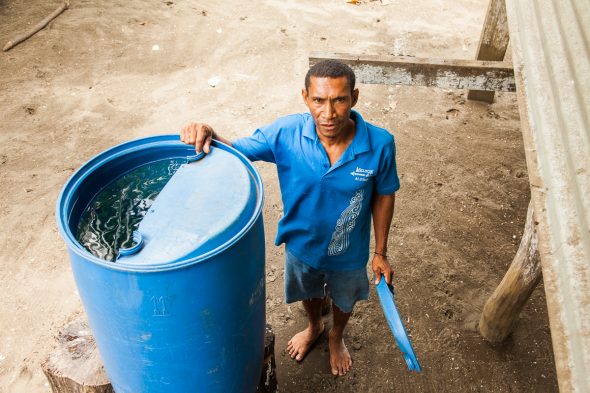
[330, 112]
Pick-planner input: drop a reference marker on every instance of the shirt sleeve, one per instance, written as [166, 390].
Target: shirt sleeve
[257, 147]
[387, 181]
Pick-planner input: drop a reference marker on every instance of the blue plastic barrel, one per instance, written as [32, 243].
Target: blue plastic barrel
[176, 315]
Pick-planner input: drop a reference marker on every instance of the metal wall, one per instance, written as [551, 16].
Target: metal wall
[551, 54]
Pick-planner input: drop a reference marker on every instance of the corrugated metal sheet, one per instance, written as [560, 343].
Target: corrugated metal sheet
[551, 54]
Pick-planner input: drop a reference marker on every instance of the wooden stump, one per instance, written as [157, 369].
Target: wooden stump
[75, 365]
[326, 305]
[503, 307]
[268, 378]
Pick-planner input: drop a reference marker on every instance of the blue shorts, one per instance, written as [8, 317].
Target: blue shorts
[305, 282]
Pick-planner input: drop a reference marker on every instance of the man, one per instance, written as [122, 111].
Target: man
[335, 171]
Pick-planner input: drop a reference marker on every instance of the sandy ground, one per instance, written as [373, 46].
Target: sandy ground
[92, 80]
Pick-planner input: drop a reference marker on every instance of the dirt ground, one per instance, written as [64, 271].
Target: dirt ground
[94, 78]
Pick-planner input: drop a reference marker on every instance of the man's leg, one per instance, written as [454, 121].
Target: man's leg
[302, 342]
[340, 360]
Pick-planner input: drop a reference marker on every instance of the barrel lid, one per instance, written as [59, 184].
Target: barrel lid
[205, 204]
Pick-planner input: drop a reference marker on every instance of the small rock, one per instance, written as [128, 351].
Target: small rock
[156, 47]
[213, 81]
[357, 346]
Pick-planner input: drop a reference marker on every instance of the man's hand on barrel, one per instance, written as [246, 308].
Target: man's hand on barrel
[199, 135]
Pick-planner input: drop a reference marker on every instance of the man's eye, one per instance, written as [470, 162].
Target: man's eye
[317, 100]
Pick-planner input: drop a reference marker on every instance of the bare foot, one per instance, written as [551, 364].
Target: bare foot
[302, 342]
[340, 359]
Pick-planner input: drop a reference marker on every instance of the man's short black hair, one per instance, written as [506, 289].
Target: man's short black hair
[330, 69]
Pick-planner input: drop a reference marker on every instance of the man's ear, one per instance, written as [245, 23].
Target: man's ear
[305, 96]
[355, 97]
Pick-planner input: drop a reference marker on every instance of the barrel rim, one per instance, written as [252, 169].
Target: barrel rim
[64, 200]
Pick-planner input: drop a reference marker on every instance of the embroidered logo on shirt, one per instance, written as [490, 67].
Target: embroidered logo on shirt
[345, 224]
[361, 174]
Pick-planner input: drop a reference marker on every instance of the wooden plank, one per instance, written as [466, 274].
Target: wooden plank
[413, 71]
[502, 309]
[492, 43]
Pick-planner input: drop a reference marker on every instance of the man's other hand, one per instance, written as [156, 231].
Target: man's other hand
[381, 266]
[199, 135]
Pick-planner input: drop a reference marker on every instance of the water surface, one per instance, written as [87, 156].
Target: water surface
[107, 224]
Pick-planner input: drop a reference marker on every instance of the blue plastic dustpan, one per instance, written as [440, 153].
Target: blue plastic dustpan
[385, 294]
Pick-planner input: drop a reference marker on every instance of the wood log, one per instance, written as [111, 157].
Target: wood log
[20, 38]
[75, 366]
[492, 43]
[503, 307]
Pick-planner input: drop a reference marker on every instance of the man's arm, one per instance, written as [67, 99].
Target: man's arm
[255, 147]
[200, 135]
[382, 208]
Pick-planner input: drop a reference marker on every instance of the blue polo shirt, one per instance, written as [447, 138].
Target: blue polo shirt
[326, 209]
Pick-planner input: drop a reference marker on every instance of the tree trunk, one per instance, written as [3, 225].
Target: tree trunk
[503, 307]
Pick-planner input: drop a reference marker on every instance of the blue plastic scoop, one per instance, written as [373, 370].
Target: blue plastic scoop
[385, 294]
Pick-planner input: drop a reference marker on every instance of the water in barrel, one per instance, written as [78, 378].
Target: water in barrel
[108, 222]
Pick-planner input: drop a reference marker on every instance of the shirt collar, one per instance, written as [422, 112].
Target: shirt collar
[359, 144]
[309, 128]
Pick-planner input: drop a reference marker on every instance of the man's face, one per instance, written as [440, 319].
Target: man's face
[330, 100]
